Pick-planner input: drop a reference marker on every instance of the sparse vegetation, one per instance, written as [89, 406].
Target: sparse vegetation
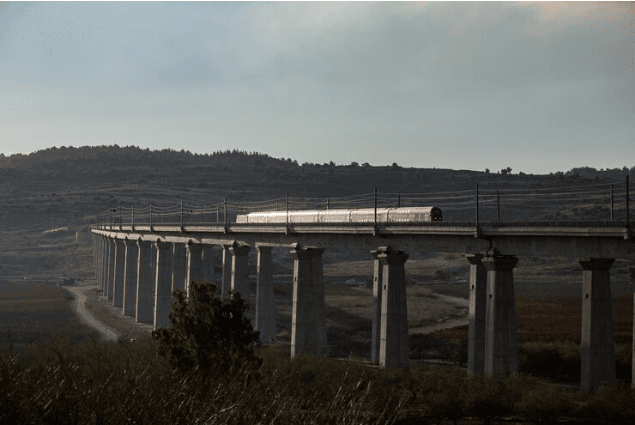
[84, 382]
[126, 382]
[208, 333]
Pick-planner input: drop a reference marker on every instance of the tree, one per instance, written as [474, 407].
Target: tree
[354, 164]
[487, 171]
[395, 166]
[207, 332]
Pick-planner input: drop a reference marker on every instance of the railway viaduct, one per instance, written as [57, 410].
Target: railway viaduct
[138, 266]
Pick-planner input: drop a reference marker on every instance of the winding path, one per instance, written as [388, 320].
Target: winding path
[79, 292]
[108, 334]
[450, 323]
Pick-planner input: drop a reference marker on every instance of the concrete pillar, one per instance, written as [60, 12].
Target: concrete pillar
[145, 279]
[596, 348]
[317, 271]
[394, 348]
[130, 277]
[111, 268]
[179, 267]
[97, 258]
[308, 329]
[194, 269]
[120, 259]
[378, 288]
[95, 244]
[103, 272]
[227, 270]
[240, 271]
[477, 315]
[208, 263]
[100, 260]
[162, 285]
[632, 270]
[265, 299]
[501, 344]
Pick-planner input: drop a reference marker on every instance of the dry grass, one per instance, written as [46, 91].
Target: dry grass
[33, 313]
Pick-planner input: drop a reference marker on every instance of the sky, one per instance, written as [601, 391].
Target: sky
[538, 87]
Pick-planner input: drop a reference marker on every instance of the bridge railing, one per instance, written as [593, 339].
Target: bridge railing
[594, 203]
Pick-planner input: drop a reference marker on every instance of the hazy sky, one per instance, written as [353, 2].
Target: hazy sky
[538, 87]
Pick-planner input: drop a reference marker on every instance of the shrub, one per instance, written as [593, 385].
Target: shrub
[440, 393]
[485, 398]
[518, 384]
[208, 332]
[545, 404]
[459, 355]
[441, 275]
[611, 403]
[560, 360]
[453, 351]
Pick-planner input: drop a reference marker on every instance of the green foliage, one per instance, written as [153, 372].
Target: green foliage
[611, 404]
[63, 383]
[441, 394]
[483, 397]
[560, 360]
[208, 333]
[545, 403]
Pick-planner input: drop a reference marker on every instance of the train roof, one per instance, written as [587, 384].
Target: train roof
[403, 210]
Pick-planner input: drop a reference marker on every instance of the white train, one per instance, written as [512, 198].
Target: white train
[359, 215]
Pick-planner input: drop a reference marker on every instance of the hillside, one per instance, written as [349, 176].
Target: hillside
[42, 191]
[58, 186]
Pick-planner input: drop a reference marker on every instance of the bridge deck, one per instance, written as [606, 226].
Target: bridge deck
[552, 239]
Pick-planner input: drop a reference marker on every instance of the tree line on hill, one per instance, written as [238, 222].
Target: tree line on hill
[91, 159]
[66, 158]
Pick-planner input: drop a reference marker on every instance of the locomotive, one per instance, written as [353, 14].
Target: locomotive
[357, 215]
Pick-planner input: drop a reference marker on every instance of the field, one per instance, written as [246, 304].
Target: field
[552, 312]
[548, 298]
[548, 312]
[316, 390]
[43, 207]
[33, 313]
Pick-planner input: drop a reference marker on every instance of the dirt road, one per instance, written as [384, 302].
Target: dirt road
[450, 323]
[79, 292]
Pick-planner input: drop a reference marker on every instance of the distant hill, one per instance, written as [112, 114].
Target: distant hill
[57, 186]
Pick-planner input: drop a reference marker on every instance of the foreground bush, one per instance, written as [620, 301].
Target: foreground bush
[611, 404]
[208, 333]
[545, 403]
[121, 383]
[105, 383]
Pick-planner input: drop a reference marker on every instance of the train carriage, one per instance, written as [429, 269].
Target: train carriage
[359, 215]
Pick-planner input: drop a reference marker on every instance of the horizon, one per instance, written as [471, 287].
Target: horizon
[492, 171]
[538, 87]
